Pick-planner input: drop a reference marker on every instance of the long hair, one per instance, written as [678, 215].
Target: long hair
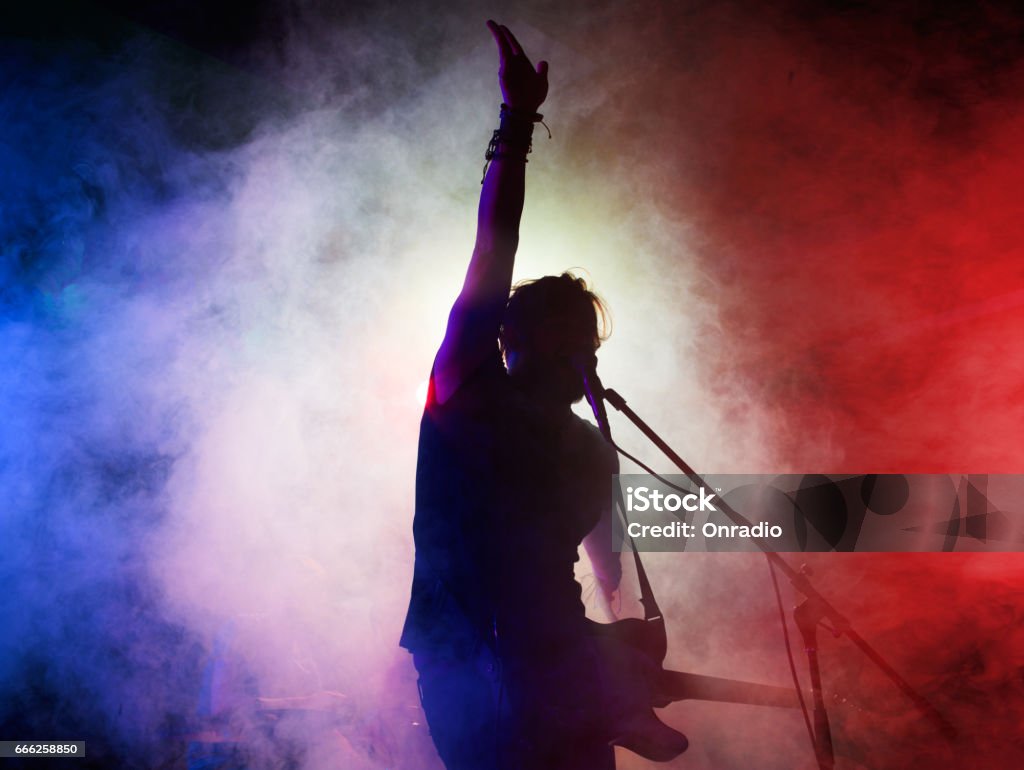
[563, 302]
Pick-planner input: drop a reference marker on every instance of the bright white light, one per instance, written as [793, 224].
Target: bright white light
[421, 392]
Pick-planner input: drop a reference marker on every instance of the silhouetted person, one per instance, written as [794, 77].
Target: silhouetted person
[509, 482]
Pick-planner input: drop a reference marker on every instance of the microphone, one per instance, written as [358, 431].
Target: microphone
[586, 365]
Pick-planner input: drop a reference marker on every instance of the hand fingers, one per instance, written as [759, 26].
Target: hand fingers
[516, 48]
[504, 49]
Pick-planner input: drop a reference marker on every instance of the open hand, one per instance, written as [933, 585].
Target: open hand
[522, 87]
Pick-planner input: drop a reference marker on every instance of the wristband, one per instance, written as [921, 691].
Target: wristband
[513, 138]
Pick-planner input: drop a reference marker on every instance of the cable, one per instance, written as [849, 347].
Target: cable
[650, 472]
[789, 656]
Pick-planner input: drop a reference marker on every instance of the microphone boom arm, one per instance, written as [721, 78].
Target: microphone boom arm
[797, 578]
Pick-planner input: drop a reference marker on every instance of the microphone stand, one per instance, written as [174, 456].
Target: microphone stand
[808, 615]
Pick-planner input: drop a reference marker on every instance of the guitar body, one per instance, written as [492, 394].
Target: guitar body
[646, 637]
[632, 652]
[638, 647]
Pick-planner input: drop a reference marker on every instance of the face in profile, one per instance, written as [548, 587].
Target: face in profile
[550, 324]
[546, 365]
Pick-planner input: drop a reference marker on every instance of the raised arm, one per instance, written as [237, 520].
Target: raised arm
[476, 315]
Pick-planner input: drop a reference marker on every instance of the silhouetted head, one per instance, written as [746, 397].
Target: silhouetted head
[547, 322]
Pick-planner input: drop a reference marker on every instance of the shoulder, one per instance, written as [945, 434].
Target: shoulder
[599, 451]
[482, 384]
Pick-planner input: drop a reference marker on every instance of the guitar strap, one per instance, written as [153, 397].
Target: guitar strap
[650, 604]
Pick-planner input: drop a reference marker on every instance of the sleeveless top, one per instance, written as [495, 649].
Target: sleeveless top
[505, 493]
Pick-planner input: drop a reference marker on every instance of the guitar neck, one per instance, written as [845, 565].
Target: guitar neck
[678, 685]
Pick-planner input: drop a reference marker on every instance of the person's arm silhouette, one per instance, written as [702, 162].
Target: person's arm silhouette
[475, 317]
